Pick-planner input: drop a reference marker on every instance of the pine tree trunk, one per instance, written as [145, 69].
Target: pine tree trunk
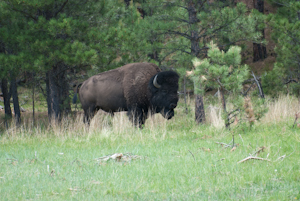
[127, 2]
[6, 99]
[224, 107]
[33, 97]
[52, 96]
[195, 50]
[14, 93]
[259, 50]
[199, 109]
[64, 95]
[57, 87]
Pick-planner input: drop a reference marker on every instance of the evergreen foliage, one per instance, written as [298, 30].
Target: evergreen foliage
[181, 30]
[222, 70]
[187, 27]
[53, 38]
[285, 24]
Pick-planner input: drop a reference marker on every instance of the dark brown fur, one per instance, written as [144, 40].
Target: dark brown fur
[127, 88]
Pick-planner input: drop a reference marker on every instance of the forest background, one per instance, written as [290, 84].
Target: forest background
[245, 150]
[50, 46]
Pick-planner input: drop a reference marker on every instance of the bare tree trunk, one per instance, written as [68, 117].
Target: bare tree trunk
[33, 96]
[127, 2]
[64, 95]
[14, 93]
[224, 107]
[57, 87]
[199, 109]
[259, 50]
[195, 50]
[6, 99]
[52, 96]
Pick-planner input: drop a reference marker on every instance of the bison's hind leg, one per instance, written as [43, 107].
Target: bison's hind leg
[89, 113]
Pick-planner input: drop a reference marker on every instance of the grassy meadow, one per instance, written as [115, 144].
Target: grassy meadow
[167, 160]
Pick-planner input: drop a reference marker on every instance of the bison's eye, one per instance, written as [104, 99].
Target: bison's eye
[164, 91]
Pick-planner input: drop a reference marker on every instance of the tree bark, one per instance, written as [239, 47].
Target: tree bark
[195, 50]
[64, 91]
[259, 50]
[57, 88]
[199, 109]
[127, 2]
[224, 107]
[33, 96]
[14, 93]
[6, 99]
[52, 96]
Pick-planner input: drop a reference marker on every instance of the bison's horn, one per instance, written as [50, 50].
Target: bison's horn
[155, 82]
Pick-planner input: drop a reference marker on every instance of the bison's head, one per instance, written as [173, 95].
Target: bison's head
[163, 88]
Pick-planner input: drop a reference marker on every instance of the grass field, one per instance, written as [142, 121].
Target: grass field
[167, 160]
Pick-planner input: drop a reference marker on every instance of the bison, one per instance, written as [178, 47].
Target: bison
[139, 88]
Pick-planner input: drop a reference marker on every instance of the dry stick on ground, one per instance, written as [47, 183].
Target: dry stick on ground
[281, 157]
[261, 149]
[241, 138]
[253, 157]
[224, 144]
[192, 155]
[284, 156]
[119, 157]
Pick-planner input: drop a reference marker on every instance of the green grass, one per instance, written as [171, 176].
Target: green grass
[179, 161]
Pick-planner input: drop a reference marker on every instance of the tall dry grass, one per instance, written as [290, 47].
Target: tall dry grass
[214, 116]
[156, 127]
[282, 109]
[102, 125]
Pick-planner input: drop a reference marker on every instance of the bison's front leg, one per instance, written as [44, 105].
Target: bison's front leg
[137, 116]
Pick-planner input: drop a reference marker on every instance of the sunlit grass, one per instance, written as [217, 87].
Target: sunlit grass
[180, 160]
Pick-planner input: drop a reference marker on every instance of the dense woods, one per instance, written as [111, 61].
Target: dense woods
[53, 45]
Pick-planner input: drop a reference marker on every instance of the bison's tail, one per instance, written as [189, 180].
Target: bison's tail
[75, 95]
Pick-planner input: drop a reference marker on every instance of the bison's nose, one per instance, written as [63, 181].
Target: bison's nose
[173, 105]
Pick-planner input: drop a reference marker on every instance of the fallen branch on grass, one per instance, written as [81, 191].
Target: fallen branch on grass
[281, 157]
[224, 144]
[253, 157]
[74, 189]
[119, 157]
[260, 149]
[192, 155]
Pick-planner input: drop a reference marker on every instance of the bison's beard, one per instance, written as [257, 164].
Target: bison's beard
[168, 114]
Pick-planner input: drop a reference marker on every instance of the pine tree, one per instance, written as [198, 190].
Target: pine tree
[54, 38]
[285, 24]
[259, 50]
[10, 26]
[222, 70]
[181, 30]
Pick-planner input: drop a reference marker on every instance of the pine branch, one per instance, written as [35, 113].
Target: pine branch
[259, 86]
[61, 8]
[21, 11]
[223, 26]
[179, 33]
